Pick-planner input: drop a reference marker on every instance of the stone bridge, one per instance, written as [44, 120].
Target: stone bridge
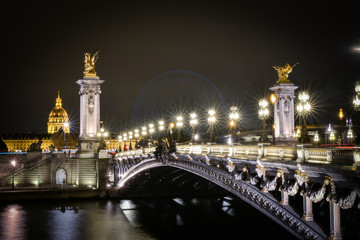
[268, 178]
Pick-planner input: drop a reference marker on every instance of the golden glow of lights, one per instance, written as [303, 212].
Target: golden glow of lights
[341, 114]
[273, 98]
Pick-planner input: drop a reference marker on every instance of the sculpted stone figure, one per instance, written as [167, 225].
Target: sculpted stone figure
[89, 68]
[283, 72]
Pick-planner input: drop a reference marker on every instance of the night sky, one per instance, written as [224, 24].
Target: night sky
[158, 59]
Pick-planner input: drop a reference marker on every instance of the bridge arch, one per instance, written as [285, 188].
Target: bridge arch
[264, 202]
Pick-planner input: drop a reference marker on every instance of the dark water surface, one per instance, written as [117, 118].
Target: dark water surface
[146, 218]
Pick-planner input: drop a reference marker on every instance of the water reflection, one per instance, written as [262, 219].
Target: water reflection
[63, 222]
[158, 218]
[13, 222]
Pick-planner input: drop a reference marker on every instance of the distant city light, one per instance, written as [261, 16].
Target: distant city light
[356, 49]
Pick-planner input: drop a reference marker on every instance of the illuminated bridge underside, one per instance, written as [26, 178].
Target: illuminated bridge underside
[263, 201]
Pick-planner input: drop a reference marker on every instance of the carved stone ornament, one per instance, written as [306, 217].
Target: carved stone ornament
[91, 104]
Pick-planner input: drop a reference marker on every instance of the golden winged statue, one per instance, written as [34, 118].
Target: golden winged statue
[89, 68]
[283, 72]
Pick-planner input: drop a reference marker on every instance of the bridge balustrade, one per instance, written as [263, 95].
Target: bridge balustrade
[301, 153]
[317, 155]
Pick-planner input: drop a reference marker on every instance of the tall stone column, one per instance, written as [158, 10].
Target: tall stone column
[89, 93]
[284, 91]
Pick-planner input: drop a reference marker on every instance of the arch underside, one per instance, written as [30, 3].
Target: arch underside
[264, 202]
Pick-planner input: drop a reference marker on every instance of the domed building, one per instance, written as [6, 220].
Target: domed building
[58, 118]
[57, 124]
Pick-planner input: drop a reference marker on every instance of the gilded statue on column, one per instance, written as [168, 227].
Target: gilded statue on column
[283, 72]
[89, 68]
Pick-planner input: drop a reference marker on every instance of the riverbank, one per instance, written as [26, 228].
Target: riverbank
[51, 194]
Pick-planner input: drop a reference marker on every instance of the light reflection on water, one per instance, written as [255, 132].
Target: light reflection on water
[12, 222]
[66, 221]
[137, 219]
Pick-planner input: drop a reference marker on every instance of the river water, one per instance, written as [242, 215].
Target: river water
[145, 218]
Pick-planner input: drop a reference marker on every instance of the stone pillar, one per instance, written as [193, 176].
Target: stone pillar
[309, 212]
[284, 198]
[89, 115]
[307, 209]
[284, 111]
[335, 224]
[89, 106]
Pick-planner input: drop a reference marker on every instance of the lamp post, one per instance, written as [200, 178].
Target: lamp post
[120, 140]
[130, 138]
[233, 118]
[144, 133]
[211, 121]
[151, 131]
[126, 148]
[170, 135]
[193, 123]
[161, 125]
[136, 135]
[316, 138]
[13, 162]
[341, 116]
[356, 100]
[263, 115]
[332, 136]
[66, 125]
[303, 109]
[179, 125]
[161, 129]
[273, 100]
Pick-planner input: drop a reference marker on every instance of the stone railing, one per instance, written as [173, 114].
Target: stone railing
[301, 153]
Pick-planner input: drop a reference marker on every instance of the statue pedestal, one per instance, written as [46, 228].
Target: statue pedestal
[284, 111]
[287, 141]
[88, 147]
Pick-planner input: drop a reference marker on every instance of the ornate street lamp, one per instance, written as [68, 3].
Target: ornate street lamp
[13, 162]
[161, 125]
[130, 137]
[316, 137]
[151, 131]
[136, 135]
[263, 115]
[273, 100]
[233, 119]
[179, 125]
[304, 109]
[120, 141]
[341, 116]
[356, 100]
[193, 123]
[126, 148]
[350, 134]
[211, 121]
[332, 136]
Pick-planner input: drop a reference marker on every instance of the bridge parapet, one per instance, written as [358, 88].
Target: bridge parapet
[301, 153]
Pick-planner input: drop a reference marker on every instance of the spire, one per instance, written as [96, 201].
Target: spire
[58, 101]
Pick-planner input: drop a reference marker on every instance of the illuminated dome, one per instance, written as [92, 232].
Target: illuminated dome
[58, 118]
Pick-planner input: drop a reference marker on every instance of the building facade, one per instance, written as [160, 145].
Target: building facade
[58, 124]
